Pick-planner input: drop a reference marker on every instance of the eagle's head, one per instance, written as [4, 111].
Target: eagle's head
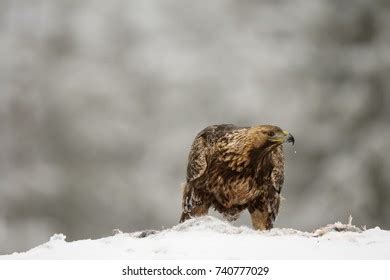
[264, 136]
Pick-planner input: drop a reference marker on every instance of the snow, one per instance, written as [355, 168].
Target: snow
[211, 238]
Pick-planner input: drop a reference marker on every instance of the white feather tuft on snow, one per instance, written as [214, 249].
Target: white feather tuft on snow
[211, 238]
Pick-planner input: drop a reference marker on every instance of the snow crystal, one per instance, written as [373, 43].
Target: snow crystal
[58, 236]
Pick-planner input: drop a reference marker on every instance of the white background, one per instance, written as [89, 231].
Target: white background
[113, 269]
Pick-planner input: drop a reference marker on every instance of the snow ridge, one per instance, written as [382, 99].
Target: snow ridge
[210, 238]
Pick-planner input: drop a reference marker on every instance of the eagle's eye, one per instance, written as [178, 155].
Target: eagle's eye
[271, 134]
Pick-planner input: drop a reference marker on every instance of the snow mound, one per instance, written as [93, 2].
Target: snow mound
[210, 238]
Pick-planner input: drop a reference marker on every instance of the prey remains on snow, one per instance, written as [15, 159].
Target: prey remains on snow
[234, 168]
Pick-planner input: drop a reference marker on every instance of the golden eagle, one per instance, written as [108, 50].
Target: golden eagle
[232, 168]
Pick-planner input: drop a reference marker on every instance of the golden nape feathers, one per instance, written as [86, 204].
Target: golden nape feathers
[234, 168]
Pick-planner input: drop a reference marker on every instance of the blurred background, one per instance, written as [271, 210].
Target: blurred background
[100, 101]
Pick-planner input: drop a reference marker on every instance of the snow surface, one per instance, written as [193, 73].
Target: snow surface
[211, 238]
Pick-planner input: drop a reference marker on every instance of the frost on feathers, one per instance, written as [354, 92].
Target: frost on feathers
[338, 227]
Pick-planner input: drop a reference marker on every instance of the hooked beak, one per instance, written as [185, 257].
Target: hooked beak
[288, 138]
[283, 137]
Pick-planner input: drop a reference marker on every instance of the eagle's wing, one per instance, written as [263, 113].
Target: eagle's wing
[202, 149]
[197, 159]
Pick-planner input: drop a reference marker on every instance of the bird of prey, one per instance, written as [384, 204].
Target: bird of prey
[233, 168]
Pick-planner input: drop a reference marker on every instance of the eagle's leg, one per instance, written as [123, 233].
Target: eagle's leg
[193, 206]
[261, 220]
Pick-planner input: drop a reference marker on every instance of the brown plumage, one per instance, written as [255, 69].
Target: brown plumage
[232, 168]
